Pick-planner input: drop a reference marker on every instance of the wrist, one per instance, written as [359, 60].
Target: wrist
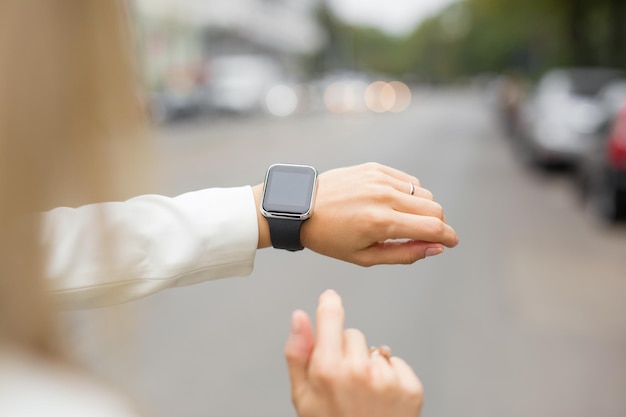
[264, 231]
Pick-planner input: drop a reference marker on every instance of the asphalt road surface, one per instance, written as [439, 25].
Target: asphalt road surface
[526, 317]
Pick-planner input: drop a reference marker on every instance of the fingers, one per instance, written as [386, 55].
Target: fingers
[421, 228]
[397, 174]
[404, 187]
[340, 376]
[330, 320]
[406, 203]
[405, 374]
[299, 347]
[355, 347]
[358, 207]
[394, 252]
[412, 385]
[420, 202]
[383, 375]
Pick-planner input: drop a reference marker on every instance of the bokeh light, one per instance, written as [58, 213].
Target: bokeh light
[339, 97]
[402, 96]
[381, 97]
[281, 100]
[374, 95]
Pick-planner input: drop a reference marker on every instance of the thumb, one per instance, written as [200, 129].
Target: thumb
[400, 252]
[298, 348]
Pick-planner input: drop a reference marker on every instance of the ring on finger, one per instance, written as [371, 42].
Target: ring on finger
[412, 189]
[381, 350]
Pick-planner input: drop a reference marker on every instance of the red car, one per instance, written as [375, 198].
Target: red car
[603, 171]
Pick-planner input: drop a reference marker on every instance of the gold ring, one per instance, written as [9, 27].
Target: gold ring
[382, 350]
[412, 190]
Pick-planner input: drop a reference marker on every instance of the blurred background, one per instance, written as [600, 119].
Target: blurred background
[510, 111]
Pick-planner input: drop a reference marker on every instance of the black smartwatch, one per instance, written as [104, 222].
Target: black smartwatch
[288, 197]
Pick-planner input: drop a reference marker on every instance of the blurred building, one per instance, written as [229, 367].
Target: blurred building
[178, 40]
[287, 26]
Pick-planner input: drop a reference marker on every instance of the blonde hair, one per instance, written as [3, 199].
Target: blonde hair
[72, 131]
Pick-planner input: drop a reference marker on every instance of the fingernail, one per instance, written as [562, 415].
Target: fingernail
[433, 252]
[328, 295]
[330, 299]
[296, 328]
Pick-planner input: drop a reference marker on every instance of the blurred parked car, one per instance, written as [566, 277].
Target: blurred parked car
[564, 114]
[180, 94]
[171, 104]
[602, 171]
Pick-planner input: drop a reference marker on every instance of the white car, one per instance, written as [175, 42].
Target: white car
[565, 111]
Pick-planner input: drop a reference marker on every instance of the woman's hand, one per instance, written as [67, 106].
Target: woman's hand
[366, 215]
[334, 375]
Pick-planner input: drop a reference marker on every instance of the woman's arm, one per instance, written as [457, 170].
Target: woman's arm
[110, 253]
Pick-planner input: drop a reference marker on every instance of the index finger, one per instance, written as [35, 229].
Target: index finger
[330, 321]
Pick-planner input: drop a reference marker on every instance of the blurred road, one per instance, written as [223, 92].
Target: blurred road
[526, 317]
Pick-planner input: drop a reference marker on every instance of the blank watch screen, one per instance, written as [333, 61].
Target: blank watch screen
[289, 189]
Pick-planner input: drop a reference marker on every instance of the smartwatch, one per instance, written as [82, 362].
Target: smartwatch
[288, 197]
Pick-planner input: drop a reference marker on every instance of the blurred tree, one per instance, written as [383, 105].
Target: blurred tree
[357, 48]
[473, 37]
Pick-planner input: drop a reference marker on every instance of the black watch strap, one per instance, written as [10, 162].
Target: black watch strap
[285, 233]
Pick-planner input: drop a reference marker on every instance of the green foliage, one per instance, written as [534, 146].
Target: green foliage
[359, 48]
[485, 36]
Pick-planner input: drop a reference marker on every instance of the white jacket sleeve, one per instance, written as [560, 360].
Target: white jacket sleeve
[109, 253]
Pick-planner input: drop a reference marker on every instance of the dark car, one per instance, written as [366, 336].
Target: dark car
[602, 171]
[564, 113]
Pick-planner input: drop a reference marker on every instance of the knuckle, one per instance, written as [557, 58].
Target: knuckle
[437, 227]
[290, 354]
[365, 262]
[375, 219]
[375, 166]
[384, 386]
[354, 333]
[296, 395]
[362, 259]
[375, 191]
[428, 194]
[438, 210]
[408, 259]
[358, 373]
[374, 172]
[377, 181]
[415, 392]
[324, 373]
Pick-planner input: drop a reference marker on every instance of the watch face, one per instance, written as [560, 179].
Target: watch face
[289, 189]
